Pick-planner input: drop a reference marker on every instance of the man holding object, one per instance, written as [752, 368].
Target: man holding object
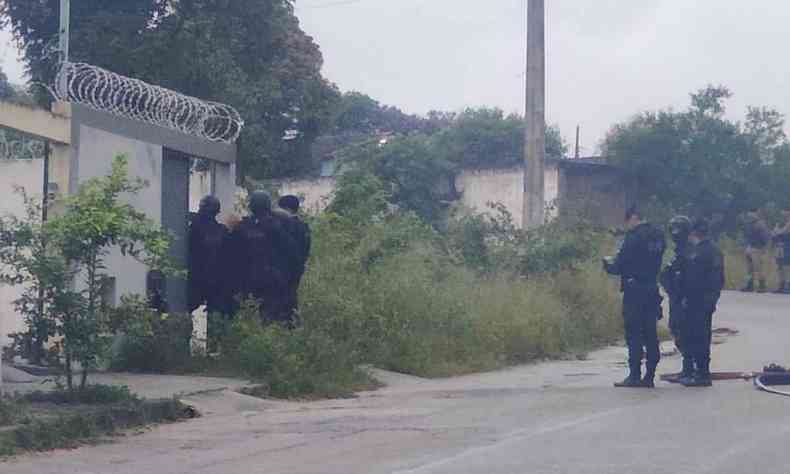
[638, 264]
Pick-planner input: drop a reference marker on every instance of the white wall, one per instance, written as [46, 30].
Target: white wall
[479, 187]
[316, 194]
[30, 175]
[97, 149]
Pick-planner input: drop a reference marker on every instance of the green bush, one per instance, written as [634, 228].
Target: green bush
[149, 341]
[9, 412]
[293, 363]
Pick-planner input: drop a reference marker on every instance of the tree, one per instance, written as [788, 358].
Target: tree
[697, 161]
[65, 257]
[360, 114]
[25, 260]
[6, 89]
[485, 137]
[251, 54]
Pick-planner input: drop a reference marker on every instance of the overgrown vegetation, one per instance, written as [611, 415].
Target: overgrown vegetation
[386, 288]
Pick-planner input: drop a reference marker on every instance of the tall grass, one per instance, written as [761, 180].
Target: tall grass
[398, 302]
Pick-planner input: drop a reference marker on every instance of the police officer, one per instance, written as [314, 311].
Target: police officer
[297, 260]
[703, 282]
[254, 247]
[672, 281]
[205, 263]
[638, 264]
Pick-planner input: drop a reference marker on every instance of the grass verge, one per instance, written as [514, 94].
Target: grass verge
[61, 419]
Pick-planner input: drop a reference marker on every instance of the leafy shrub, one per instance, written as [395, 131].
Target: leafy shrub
[292, 363]
[150, 341]
[9, 412]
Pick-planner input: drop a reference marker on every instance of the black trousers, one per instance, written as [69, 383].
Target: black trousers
[676, 325]
[641, 311]
[698, 334]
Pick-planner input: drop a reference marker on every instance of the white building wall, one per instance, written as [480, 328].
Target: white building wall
[145, 161]
[316, 194]
[30, 175]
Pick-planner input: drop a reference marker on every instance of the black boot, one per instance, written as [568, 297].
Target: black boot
[634, 379]
[701, 376]
[685, 373]
[648, 381]
[699, 379]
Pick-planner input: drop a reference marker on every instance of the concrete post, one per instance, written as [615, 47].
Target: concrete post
[223, 184]
[533, 214]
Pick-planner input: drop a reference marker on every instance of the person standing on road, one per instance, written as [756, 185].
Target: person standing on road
[703, 283]
[672, 281]
[782, 242]
[758, 237]
[638, 264]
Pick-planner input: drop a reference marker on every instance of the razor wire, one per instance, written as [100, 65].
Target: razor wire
[134, 99]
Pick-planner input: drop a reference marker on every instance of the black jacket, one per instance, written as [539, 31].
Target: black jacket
[672, 275]
[704, 276]
[640, 257]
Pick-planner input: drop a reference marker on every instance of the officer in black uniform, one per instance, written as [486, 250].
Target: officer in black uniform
[297, 261]
[703, 282]
[205, 262]
[672, 281]
[638, 264]
[254, 248]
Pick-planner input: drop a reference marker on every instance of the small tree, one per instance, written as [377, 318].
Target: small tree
[94, 221]
[62, 264]
[24, 260]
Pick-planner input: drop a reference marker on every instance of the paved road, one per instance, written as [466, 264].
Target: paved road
[550, 418]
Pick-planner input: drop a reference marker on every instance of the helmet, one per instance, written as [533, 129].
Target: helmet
[680, 228]
[260, 203]
[209, 206]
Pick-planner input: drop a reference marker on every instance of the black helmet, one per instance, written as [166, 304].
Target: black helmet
[289, 203]
[701, 227]
[680, 227]
[260, 203]
[209, 206]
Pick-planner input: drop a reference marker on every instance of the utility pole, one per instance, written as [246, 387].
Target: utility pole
[535, 153]
[63, 40]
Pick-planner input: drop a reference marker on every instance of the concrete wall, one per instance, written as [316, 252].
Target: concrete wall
[316, 193]
[596, 193]
[30, 175]
[96, 151]
[478, 188]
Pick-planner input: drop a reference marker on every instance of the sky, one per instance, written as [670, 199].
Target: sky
[606, 59]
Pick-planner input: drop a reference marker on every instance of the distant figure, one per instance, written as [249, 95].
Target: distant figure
[297, 261]
[782, 242]
[672, 280]
[703, 283]
[638, 264]
[207, 285]
[156, 291]
[758, 237]
[254, 248]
